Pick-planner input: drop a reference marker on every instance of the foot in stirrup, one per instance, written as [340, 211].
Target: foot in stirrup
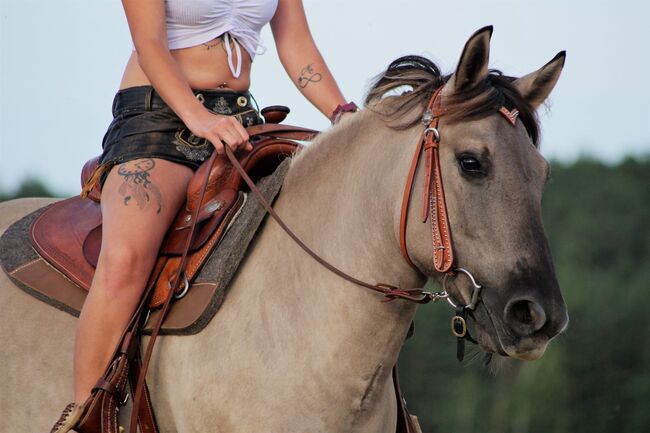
[69, 418]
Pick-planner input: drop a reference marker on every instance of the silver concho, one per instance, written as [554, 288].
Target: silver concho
[427, 117]
[213, 206]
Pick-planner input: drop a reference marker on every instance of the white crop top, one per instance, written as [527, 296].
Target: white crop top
[193, 22]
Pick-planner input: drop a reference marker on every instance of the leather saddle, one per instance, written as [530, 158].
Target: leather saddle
[68, 234]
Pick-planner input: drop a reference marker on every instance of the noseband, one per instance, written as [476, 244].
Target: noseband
[433, 208]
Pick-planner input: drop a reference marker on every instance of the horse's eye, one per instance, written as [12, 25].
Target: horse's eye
[470, 165]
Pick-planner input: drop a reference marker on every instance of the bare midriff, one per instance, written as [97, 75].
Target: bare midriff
[204, 66]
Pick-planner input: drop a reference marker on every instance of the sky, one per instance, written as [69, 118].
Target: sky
[61, 63]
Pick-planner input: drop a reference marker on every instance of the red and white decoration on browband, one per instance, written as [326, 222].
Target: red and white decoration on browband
[510, 116]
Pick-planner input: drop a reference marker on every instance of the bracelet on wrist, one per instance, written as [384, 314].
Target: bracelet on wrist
[350, 107]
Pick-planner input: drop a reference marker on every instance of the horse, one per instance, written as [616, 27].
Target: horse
[295, 348]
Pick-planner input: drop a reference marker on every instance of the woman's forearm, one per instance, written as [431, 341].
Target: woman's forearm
[148, 31]
[146, 20]
[301, 58]
[166, 77]
[309, 72]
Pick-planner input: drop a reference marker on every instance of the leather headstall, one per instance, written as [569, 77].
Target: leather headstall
[433, 198]
[434, 208]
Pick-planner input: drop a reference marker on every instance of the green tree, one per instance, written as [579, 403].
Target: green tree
[29, 187]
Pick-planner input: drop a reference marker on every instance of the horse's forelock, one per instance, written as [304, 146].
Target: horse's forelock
[419, 77]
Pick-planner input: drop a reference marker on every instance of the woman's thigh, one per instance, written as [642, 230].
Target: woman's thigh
[140, 198]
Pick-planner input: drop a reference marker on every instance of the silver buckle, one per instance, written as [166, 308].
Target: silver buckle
[434, 131]
[186, 287]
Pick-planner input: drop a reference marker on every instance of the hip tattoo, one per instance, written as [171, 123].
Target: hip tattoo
[137, 184]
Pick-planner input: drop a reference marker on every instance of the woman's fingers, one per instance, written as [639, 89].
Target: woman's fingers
[230, 132]
[219, 129]
[240, 130]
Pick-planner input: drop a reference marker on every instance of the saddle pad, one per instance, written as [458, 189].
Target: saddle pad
[187, 316]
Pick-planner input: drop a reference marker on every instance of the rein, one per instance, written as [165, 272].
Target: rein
[434, 208]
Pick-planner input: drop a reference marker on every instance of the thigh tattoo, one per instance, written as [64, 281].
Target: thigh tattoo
[137, 183]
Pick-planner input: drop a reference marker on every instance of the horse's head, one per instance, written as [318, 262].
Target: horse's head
[493, 177]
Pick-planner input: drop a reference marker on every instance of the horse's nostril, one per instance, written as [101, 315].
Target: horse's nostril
[525, 316]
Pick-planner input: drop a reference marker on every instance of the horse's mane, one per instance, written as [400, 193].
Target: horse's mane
[422, 77]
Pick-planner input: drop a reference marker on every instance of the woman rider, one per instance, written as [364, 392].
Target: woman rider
[165, 124]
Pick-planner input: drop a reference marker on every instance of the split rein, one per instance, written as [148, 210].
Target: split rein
[434, 207]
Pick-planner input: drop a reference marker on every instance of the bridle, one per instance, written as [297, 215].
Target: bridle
[434, 208]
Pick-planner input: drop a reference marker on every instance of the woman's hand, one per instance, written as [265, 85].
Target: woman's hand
[219, 130]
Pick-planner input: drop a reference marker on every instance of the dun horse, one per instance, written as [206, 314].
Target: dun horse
[294, 347]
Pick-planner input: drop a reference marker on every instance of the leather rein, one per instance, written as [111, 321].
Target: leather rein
[434, 208]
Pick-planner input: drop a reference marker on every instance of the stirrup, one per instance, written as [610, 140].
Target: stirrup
[69, 418]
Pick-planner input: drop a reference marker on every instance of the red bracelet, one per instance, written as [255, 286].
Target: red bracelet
[350, 107]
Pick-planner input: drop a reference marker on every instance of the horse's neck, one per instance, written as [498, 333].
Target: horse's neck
[340, 197]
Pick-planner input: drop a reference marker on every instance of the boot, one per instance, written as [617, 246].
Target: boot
[68, 419]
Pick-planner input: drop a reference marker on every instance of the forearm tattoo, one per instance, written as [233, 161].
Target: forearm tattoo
[308, 75]
[137, 184]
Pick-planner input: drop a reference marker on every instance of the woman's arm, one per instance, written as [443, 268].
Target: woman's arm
[301, 58]
[146, 20]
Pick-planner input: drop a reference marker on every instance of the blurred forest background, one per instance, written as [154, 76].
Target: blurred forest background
[593, 379]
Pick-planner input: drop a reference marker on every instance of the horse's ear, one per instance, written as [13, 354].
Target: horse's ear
[473, 65]
[536, 86]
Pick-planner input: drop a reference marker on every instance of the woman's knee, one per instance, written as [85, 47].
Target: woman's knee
[124, 268]
[131, 235]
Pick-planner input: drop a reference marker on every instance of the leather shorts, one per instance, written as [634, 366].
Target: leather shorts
[144, 126]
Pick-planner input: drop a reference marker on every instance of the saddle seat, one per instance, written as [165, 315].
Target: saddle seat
[68, 234]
